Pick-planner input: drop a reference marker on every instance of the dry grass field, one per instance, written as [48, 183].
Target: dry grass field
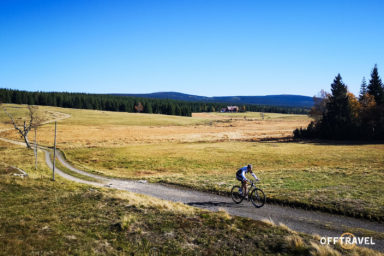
[90, 128]
[204, 151]
[340, 178]
[41, 217]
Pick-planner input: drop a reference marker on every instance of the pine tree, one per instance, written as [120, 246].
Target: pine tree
[337, 119]
[171, 109]
[148, 108]
[177, 110]
[363, 89]
[375, 86]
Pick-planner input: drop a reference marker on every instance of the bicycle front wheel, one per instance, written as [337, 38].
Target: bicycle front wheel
[257, 198]
[236, 195]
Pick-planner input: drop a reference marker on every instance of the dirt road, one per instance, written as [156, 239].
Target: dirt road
[311, 222]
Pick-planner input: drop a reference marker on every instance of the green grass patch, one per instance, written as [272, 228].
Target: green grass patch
[347, 179]
[97, 117]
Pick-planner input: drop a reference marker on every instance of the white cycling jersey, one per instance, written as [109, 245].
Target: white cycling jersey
[243, 171]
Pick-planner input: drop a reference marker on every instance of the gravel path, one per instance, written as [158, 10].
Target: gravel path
[311, 222]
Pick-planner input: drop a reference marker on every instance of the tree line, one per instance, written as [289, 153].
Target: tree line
[128, 103]
[342, 115]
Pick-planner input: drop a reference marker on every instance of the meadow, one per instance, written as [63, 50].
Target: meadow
[347, 179]
[90, 128]
[42, 217]
[204, 151]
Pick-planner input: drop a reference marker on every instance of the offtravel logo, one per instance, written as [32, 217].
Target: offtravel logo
[347, 241]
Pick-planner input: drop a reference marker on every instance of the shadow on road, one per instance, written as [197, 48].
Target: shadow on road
[210, 204]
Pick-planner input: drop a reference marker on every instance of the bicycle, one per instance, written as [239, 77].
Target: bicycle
[256, 196]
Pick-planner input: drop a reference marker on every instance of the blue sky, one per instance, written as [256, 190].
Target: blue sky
[202, 47]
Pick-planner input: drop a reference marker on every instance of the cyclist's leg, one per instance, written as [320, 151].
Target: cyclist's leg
[240, 178]
[244, 185]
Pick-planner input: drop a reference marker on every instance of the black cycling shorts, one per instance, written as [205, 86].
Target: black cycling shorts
[239, 177]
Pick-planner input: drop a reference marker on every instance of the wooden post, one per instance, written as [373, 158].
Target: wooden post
[35, 150]
[54, 155]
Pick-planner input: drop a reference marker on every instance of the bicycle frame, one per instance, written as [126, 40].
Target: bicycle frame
[249, 189]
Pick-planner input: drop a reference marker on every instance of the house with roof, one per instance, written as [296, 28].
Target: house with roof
[230, 109]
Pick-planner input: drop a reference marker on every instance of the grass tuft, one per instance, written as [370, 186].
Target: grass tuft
[296, 243]
[224, 214]
[323, 250]
[285, 227]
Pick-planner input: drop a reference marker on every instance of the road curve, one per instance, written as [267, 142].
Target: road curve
[310, 222]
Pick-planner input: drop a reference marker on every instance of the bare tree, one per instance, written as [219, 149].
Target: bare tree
[139, 107]
[319, 106]
[24, 125]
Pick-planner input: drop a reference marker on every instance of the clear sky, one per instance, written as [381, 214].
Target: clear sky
[202, 47]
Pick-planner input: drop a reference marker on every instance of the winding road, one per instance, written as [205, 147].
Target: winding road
[311, 222]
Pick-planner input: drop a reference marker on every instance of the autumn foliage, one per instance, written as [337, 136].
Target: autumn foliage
[341, 115]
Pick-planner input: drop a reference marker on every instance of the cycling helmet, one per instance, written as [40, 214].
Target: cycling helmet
[249, 166]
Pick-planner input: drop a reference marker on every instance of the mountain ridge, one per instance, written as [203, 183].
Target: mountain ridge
[289, 100]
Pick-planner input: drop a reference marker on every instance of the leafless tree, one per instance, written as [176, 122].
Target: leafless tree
[139, 107]
[24, 125]
[319, 106]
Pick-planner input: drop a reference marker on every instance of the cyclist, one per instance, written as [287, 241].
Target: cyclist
[240, 175]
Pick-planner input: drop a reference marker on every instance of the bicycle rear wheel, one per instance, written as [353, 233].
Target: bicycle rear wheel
[236, 195]
[257, 198]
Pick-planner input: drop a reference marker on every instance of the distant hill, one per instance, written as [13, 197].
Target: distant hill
[158, 103]
[271, 100]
